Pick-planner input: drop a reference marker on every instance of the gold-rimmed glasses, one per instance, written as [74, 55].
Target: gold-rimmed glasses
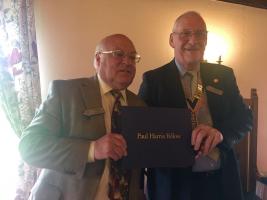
[119, 54]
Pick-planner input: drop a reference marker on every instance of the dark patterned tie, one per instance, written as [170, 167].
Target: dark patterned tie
[119, 177]
[191, 101]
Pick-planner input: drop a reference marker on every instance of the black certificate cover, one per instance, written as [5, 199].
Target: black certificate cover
[157, 137]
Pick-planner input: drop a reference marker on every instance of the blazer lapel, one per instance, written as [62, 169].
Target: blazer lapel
[130, 99]
[91, 97]
[175, 92]
[211, 79]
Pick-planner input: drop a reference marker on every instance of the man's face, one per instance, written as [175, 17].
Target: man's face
[189, 39]
[117, 71]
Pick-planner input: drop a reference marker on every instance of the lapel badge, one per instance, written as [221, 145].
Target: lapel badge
[216, 80]
[214, 90]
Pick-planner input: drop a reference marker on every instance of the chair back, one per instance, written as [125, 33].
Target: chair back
[246, 150]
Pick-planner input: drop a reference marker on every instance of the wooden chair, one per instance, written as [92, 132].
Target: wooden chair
[246, 150]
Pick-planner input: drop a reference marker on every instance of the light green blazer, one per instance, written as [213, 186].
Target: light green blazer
[59, 137]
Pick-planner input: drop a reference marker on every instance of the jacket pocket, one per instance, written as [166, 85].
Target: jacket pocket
[45, 191]
[93, 111]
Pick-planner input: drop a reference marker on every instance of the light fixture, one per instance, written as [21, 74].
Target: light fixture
[217, 47]
[219, 61]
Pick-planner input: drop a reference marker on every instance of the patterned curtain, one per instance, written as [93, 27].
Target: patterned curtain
[19, 75]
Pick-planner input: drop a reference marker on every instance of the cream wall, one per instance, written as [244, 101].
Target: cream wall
[68, 30]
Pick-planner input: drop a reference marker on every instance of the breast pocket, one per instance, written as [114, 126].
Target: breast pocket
[85, 124]
[93, 123]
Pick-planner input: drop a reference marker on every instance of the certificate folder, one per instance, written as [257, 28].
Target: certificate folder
[157, 137]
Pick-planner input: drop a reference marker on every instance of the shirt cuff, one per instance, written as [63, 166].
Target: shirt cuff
[91, 153]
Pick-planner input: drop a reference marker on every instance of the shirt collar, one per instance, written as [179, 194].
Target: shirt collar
[182, 71]
[105, 88]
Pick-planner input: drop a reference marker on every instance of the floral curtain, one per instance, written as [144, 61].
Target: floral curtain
[19, 74]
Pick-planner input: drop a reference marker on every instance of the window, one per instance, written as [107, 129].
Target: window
[10, 160]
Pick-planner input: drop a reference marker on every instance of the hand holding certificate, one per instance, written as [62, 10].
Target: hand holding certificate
[157, 137]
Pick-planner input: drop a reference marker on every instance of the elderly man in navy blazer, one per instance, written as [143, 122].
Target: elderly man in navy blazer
[71, 137]
[220, 119]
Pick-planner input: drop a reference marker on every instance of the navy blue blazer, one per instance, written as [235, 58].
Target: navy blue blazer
[162, 87]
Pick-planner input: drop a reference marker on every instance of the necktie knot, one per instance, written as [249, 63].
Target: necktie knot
[117, 103]
[116, 94]
[189, 76]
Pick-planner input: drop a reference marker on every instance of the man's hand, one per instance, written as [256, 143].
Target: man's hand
[205, 138]
[111, 145]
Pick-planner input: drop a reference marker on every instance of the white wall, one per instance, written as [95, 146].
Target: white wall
[68, 30]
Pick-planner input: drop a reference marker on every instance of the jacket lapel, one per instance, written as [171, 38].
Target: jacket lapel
[212, 86]
[175, 93]
[130, 99]
[91, 96]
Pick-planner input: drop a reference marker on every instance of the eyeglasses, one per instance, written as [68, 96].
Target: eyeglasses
[119, 54]
[199, 34]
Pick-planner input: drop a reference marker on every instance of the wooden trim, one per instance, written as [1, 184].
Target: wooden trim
[252, 3]
[253, 142]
